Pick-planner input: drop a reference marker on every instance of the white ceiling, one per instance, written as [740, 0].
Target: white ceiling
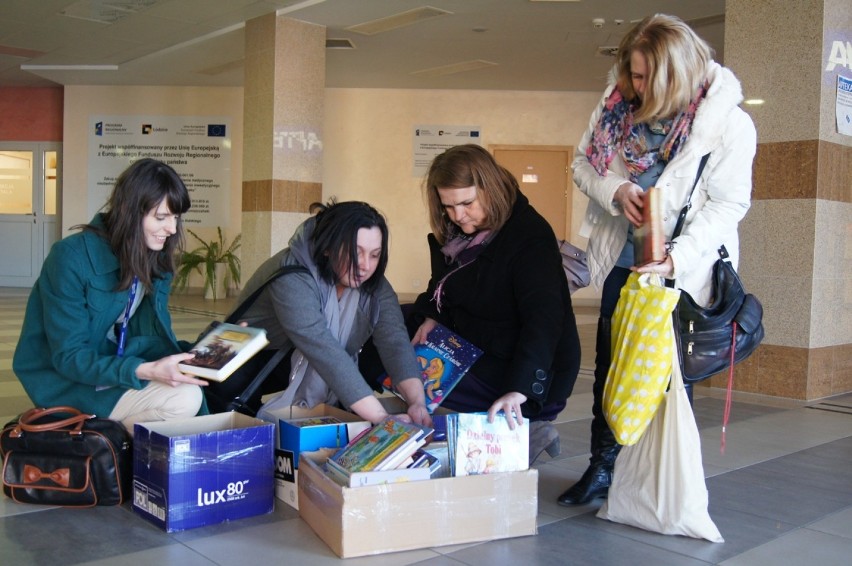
[548, 45]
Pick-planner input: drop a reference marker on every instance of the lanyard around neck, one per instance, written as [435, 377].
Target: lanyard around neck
[122, 335]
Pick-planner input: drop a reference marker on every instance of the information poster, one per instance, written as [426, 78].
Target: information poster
[843, 108]
[197, 147]
[431, 141]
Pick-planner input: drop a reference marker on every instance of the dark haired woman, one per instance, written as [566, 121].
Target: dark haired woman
[97, 333]
[325, 313]
[497, 280]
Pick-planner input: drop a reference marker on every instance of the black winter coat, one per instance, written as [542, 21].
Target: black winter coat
[513, 303]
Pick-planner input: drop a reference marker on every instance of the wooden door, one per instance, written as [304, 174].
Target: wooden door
[543, 173]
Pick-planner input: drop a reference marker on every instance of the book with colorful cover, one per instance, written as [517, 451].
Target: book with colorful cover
[314, 421]
[222, 348]
[444, 359]
[649, 240]
[479, 447]
[386, 445]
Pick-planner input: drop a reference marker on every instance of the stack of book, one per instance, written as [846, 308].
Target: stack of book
[389, 445]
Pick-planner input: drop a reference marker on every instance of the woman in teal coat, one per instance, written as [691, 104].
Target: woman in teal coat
[97, 333]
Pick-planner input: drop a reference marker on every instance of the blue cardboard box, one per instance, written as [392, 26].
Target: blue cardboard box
[293, 439]
[194, 472]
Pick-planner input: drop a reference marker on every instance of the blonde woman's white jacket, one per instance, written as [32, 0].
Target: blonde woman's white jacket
[721, 199]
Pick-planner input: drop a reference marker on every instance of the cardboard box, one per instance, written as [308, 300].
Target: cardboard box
[292, 440]
[360, 521]
[193, 472]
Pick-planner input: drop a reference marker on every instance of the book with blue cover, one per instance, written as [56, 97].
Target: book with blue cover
[444, 359]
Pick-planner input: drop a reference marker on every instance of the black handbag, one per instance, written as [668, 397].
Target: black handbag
[728, 330]
[75, 461]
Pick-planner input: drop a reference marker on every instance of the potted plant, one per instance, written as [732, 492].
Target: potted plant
[216, 261]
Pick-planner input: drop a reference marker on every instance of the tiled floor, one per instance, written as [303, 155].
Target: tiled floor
[781, 494]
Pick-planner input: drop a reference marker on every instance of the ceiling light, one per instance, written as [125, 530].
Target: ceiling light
[462, 67]
[398, 20]
[754, 101]
[69, 67]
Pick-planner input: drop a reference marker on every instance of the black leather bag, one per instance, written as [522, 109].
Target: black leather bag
[727, 331]
[60, 456]
[707, 335]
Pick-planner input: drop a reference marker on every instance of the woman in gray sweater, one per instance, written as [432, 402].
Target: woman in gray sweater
[323, 312]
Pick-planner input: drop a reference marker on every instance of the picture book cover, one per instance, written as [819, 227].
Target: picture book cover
[222, 349]
[649, 241]
[444, 359]
[479, 447]
[384, 446]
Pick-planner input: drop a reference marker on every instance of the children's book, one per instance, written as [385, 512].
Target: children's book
[444, 359]
[385, 446]
[313, 421]
[361, 479]
[222, 348]
[649, 241]
[479, 447]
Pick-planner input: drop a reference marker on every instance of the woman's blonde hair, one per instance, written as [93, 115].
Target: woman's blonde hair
[465, 166]
[677, 62]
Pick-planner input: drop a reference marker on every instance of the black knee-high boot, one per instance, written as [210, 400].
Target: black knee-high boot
[598, 476]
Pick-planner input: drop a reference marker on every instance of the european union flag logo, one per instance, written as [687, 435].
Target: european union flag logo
[216, 130]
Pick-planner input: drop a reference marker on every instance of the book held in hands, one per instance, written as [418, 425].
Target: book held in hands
[222, 348]
[649, 240]
[444, 359]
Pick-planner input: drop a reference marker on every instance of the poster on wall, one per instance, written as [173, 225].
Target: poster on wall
[843, 106]
[197, 147]
[431, 141]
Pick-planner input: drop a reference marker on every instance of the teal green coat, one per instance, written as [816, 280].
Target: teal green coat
[63, 355]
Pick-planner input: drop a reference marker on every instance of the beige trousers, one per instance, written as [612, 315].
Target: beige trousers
[157, 402]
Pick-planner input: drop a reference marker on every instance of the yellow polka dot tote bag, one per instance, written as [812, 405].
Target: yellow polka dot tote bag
[642, 343]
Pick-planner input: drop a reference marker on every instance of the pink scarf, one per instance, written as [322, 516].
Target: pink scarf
[460, 249]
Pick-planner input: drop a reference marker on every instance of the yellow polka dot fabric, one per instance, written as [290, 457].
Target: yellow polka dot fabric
[642, 344]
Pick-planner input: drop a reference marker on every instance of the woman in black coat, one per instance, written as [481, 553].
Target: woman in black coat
[497, 280]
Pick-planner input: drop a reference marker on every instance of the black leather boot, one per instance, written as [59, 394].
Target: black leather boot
[597, 478]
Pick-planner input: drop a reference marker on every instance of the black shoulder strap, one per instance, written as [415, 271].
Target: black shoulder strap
[235, 316]
[682, 217]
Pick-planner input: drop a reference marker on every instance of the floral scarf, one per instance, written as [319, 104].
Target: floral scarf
[616, 132]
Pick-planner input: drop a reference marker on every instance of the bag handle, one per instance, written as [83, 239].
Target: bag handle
[682, 217]
[234, 317]
[73, 424]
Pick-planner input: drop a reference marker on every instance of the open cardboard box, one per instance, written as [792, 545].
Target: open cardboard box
[375, 519]
[204, 470]
[292, 440]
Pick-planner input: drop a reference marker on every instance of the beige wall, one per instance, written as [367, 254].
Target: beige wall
[367, 147]
[83, 101]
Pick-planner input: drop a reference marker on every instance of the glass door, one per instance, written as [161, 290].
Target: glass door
[29, 207]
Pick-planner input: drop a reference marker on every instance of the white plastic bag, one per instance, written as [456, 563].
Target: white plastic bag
[658, 483]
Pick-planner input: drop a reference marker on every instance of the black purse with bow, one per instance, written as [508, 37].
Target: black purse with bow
[75, 461]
